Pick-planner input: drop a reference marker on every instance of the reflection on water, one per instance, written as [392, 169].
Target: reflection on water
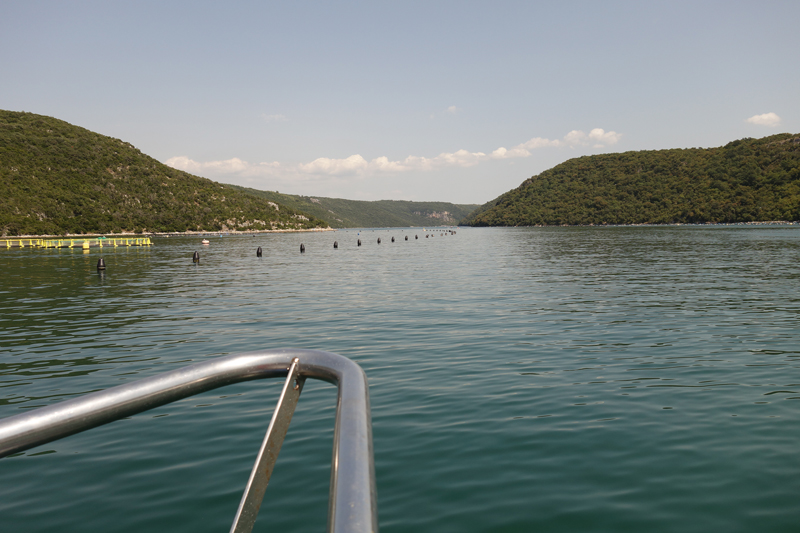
[562, 379]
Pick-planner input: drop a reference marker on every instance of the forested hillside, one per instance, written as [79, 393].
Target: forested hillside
[743, 181]
[341, 213]
[57, 178]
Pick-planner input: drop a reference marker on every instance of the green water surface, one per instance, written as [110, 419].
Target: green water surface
[529, 379]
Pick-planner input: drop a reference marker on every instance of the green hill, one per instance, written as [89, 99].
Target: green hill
[743, 181]
[340, 213]
[57, 178]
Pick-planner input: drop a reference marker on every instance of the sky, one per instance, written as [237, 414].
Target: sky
[426, 101]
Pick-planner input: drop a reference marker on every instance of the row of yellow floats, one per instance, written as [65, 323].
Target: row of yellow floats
[74, 243]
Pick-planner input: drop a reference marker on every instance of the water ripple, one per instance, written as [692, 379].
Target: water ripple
[562, 379]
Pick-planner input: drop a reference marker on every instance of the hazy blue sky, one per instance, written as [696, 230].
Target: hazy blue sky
[453, 101]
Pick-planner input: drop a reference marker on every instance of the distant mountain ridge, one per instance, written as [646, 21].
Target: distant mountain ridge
[57, 178]
[744, 181]
[341, 213]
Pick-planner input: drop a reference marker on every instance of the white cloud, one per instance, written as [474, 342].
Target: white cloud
[383, 164]
[540, 142]
[356, 166]
[453, 110]
[597, 138]
[274, 118]
[767, 119]
[604, 138]
[461, 158]
[228, 166]
[324, 165]
[575, 137]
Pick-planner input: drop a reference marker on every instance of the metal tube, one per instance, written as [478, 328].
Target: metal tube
[253, 495]
[353, 499]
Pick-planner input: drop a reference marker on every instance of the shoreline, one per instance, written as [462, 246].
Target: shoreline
[129, 235]
[124, 235]
[647, 224]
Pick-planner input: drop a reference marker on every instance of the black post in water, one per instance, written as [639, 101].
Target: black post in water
[101, 264]
[196, 257]
[335, 244]
[379, 240]
[258, 252]
[359, 242]
[392, 239]
[302, 248]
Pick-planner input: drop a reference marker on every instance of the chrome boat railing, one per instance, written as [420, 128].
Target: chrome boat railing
[352, 506]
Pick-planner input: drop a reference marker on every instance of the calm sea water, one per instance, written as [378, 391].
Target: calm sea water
[548, 379]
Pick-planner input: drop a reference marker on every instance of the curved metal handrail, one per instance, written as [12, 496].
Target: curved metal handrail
[353, 497]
